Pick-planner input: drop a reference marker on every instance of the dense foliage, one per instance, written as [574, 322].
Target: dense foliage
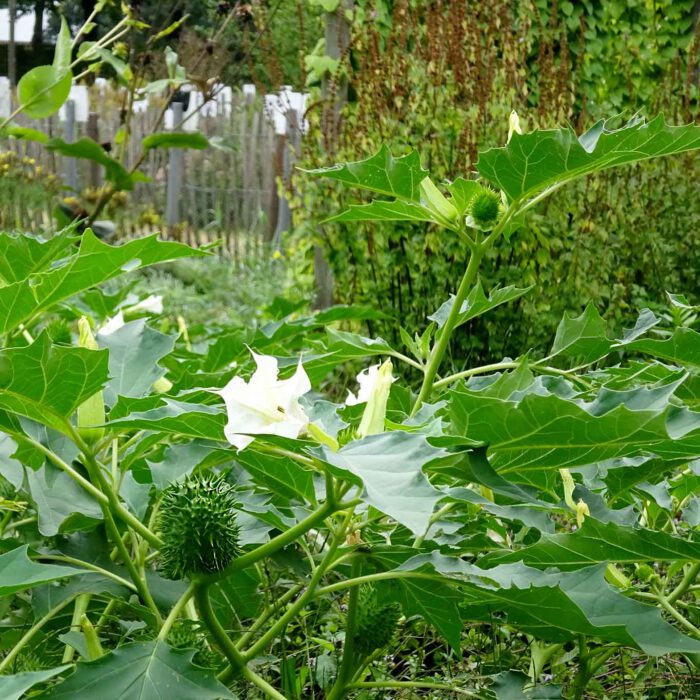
[186, 511]
[443, 77]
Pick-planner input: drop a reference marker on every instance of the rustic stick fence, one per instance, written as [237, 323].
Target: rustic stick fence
[228, 193]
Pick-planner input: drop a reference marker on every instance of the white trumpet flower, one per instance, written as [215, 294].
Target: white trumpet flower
[367, 380]
[112, 324]
[265, 405]
[152, 304]
[375, 383]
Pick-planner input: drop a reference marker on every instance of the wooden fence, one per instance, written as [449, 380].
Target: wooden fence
[229, 192]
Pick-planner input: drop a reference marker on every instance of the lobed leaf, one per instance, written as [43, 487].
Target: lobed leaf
[542, 159]
[382, 173]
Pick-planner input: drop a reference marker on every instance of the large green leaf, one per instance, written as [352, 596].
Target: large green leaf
[280, 475]
[379, 210]
[14, 687]
[477, 303]
[42, 90]
[583, 337]
[596, 542]
[91, 150]
[134, 352]
[18, 572]
[390, 468]
[141, 671]
[92, 264]
[351, 345]
[170, 416]
[557, 605]
[536, 428]
[436, 602]
[57, 497]
[382, 173]
[23, 255]
[531, 163]
[683, 347]
[47, 382]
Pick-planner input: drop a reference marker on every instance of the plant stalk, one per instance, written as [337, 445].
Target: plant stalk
[235, 658]
[440, 347]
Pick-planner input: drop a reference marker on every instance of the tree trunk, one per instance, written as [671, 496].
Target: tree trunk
[38, 33]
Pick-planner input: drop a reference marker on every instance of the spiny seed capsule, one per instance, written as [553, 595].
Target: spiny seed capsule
[197, 522]
[485, 208]
[185, 634]
[376, 622]
[59, 332]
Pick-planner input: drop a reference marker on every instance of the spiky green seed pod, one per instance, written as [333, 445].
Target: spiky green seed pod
[376, 622]
[185, 634]
[197, 522]
[26, 662]
[59, 332]
[485, 209]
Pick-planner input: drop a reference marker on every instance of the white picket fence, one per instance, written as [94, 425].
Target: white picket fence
[229, 192]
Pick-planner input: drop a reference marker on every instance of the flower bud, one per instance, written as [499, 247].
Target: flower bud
[92, 641]
[437, 202]
[373, 418]
[91, 413]
[162, 385]
[513, 125]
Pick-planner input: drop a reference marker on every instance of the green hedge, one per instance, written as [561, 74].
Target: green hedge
[444, 81]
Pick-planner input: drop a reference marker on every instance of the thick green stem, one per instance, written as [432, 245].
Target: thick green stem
[235, 658]
[301, 601]
[443, 340]
[688, 580]
[583, 675]
[175, 612]
[105, 490]
[663, 602]
[81, 606]
[277, 543]
[228, 648]
[413, 684]
[348, 663]
[140, 583]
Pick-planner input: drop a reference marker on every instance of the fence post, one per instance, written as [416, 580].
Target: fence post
[172, 206]
[337, 40]
[93, 133]
[12, 47]
[70, 170]
[289, 156]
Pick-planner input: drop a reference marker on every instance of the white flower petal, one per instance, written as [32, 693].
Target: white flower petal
[366, 379]
[152, 304]
[265, 404]
[112, 324]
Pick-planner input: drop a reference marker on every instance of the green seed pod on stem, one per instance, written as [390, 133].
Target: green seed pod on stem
[376, 622]
[485, 210]
[198, 525]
